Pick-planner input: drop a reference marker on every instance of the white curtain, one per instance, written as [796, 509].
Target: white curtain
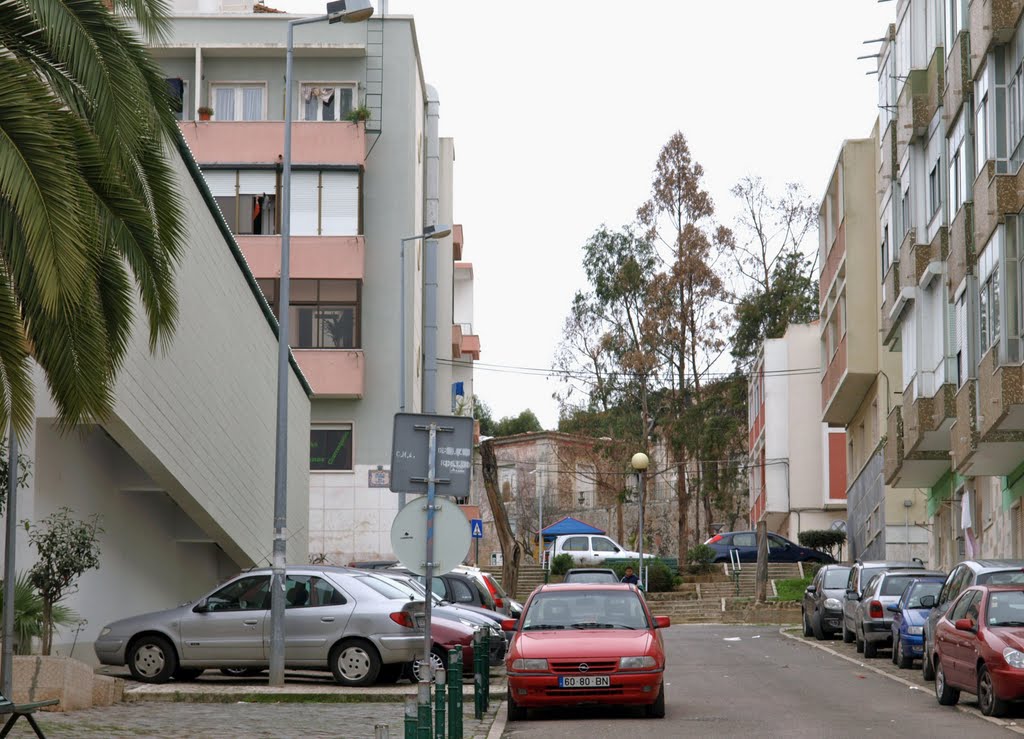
[252, 103]
[224, 103]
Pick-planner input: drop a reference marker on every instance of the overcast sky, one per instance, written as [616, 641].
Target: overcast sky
[559, 110]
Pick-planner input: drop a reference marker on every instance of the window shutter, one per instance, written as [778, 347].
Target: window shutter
[221, 182]
[340, 203]
[961, 338]
[305, 201]
[256, 181]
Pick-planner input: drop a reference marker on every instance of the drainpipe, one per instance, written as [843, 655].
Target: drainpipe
[430, 255]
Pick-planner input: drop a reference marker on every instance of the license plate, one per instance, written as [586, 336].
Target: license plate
[585, 681]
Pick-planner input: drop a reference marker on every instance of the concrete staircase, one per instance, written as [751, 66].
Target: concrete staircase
[530, 576]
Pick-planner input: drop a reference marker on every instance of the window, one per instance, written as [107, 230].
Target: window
[962, 355]
[988, 293]
[958, 169]
[325, 314]
[776, 543]
[325, 203]
[604, 545]
[460, 591]
[507, 482]
[905, 213]
[981, 152]
[744, 540]
[325, 595]
[934, 191]
[964, 605]
[330, 448]
[177, 88]
[244, 594]
[239, 101]
[954, 22]
[247, 198]
[576, 544]
[329, 101]
[306, 591]
[586, 475]
[885, 250]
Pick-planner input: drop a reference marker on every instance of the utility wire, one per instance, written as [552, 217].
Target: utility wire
[584, 373]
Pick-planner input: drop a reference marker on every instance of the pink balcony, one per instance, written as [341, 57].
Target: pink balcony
[333, 373]
[457, 241]
[836, 252]
[262, 142]
[312, 257]
[470, 346]
[456, 341]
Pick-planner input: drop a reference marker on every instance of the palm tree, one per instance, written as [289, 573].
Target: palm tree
[90, 219]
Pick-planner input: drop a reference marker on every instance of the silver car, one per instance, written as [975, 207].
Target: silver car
[873, 619]
[354, 623]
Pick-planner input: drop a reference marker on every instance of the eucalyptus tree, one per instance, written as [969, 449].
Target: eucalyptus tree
[90, 217]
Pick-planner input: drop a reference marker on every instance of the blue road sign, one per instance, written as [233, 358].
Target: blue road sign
[476, 527]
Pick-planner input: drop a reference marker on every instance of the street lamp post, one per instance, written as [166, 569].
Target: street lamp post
[640, 462]
[345, 11]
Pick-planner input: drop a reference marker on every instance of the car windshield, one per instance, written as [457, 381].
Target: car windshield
[919, 590]
[591, 577]
[1006, 577]
[836, 579]
[896, 584]
[585, 609]
[1006, 608]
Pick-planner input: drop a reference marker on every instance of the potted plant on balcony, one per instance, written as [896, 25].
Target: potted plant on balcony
[362, 113]
[204, 111]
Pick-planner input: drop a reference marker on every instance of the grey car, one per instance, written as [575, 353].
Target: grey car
[822, 607]
[861, 573]
[356, 624]
[596, 575]
[873, 619]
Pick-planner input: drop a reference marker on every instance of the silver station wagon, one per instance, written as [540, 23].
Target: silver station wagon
[356, 624]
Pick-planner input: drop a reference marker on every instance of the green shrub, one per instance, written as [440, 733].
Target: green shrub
[828, 541]
[561, 563]
[792, 590]
[660, 578]
[700, 558]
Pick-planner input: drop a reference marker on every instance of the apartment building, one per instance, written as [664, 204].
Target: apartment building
[861, 379]
[950, 119]
[368, 171]
[796, 464]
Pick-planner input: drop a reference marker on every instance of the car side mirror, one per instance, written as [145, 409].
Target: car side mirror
[662, 622]
[202, 606]
[927, 601]
[852, 595]
[509, 624]
[811, 589]
[894, 607]
[964, 624]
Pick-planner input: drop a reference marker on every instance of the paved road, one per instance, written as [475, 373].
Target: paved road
[762, 684]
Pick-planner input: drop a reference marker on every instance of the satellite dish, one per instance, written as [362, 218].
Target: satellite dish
[451, 536]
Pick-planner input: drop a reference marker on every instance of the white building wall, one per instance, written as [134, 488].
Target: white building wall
[777, 420]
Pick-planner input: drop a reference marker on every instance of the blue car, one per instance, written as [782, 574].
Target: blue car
[910, 614]
[744, 545]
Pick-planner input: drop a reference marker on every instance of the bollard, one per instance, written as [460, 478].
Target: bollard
[439, 678]
[423, 728]
[381, 731]
[485, 662]
[478, 677]
[455, 693]
[411, 713]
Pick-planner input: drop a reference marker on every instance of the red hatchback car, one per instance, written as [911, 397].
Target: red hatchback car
[979, 645]
[581, 643]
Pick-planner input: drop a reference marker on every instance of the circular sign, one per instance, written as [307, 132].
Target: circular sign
[451, 536]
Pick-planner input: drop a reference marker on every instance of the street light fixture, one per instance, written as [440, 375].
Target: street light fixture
[344, 11]
[640, 463]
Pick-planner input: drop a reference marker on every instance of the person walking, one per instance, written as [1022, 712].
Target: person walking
[630, 578]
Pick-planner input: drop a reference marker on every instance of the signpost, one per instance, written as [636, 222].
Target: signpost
[428, 451]
[476, 527]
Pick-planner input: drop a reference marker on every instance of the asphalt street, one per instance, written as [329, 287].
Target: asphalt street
[732, 681]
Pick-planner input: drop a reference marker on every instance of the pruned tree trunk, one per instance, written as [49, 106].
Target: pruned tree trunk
[683, 496]
[47, 635]
[511, 552]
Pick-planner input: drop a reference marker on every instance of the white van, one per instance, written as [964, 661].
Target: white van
[592, 549]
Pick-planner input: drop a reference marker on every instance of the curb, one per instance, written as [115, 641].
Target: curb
[500, 721]
[913, 686]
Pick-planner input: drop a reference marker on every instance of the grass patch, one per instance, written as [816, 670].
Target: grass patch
[792, 590]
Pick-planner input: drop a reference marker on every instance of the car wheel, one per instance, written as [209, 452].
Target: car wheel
[818, 629]
[515, 711]
[436, 663]
[927, 668]
[240, 671]
[895, 647]
[988, 701]
[187, 674]
[151, 659]
[807, 625]
[870, 649]
[903, 660]
[848, 635]
[657, 709]
[946, 695]
[860, 643]
[355, 663]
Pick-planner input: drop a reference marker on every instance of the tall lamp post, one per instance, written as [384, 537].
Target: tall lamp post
[640, 463]
[429, 232]
[344, 11]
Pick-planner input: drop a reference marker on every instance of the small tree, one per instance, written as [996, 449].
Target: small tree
[67, 548]
[828, 541]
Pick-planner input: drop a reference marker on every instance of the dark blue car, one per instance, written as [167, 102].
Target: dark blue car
[744, 543]
[910, 614]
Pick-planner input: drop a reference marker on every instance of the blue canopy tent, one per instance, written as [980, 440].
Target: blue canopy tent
[568, 525]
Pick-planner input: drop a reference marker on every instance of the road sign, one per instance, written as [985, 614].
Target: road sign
[410, 448]
[476, 527]
[451, 536]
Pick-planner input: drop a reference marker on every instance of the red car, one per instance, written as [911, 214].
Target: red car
[446, 634]
[585, 644]
[979, 647]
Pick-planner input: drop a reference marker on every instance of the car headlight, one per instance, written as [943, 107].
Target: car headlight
[1014, 658]
[105, 631]
[915, 630]
[833, 603]
[530, 664]
[636, 663]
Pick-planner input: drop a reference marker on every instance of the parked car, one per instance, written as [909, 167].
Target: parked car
[980, 648]
[744, 544]
[860, 574]
[446, 635]
[873, 619]
[592, 549]
[822, 607]
[455, 588]
[350, 622]
[500, 601]
[909, 615]
[964, 575]
[582, 644]
[593, 575]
